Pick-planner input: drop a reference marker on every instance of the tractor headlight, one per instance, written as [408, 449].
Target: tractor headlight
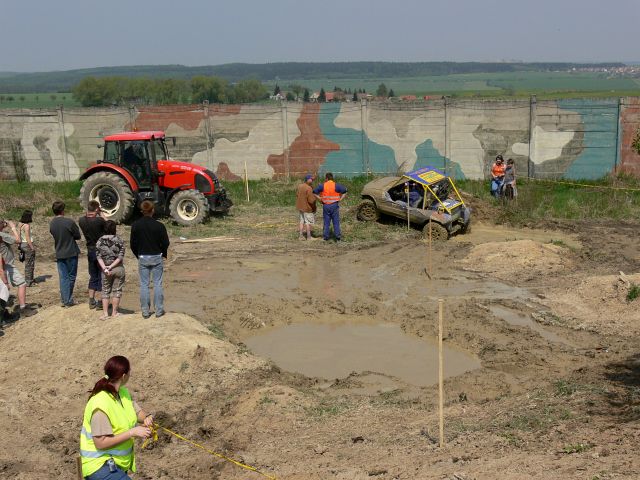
[203, 184]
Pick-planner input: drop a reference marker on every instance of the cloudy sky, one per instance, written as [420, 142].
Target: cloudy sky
[45, 35]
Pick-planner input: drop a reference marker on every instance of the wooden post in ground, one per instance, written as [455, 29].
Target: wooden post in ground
[440, 373]
[429, 265]
[406, 190]
[246, 180]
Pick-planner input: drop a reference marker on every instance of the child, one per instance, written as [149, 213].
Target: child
[110, 254]
[27, 246]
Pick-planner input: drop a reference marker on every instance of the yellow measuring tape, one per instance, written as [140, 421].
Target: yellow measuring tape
[584, 184]
[154, 438]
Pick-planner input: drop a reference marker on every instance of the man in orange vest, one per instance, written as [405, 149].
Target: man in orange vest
[330, 194]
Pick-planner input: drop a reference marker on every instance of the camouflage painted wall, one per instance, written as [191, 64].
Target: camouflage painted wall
[573, 139]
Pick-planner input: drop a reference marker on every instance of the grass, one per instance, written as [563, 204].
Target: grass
[37, 100]
[37, 196]
[633, 293]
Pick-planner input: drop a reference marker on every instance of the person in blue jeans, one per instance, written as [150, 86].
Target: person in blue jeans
[149, 242]
[65, 233]
[330, 194]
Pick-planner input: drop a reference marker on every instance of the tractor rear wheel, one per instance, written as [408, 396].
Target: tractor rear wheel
[367, 211]
[112, 193]
[189, 207]
[438, 232]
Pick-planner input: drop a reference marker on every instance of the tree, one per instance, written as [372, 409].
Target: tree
[382, 91]
[322, 97]
[53, 97]
[297, 90]
[391, 93]
[355, 96]
[22, 98]
[276, 90]
[247, 91]
[306, 96]
[212, 89]
[290, 97]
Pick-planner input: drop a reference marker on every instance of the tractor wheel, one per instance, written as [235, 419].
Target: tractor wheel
[438, 232]
[189, 207]
[367, 211]
[112, 193]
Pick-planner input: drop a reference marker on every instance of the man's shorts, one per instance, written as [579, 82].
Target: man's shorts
[14, 276]
[307, 218]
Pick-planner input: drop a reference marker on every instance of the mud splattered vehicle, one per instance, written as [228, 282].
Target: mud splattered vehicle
[136, 166]
[424, 194]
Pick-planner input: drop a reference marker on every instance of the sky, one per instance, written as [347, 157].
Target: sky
[45, 35]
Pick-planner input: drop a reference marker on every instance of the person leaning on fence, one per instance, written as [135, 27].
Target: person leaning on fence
[27, 246]
[306, 205]
[110, 255]
[109, 425]
[497, 176]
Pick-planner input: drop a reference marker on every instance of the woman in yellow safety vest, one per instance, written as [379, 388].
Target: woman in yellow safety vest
[110, 424]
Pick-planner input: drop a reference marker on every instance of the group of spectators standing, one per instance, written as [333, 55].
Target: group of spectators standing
[502, 176]
[149, 243]
[330, 194]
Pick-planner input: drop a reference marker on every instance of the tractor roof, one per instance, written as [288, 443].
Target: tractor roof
[142, 135]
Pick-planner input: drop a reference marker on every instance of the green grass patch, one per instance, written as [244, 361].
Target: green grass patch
[633, 293]
[38, 196]
[326, 408]
[216, 331]
[37, 100]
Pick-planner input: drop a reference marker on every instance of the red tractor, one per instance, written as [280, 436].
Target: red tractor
[136, 167]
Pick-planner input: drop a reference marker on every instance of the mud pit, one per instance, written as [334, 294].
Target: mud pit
[554, 393]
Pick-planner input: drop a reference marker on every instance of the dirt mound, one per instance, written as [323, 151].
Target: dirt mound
[52, 359]
[598, 304]
[516, 258]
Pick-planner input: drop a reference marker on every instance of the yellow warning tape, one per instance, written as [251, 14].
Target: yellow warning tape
[584, 185]
[154, 438]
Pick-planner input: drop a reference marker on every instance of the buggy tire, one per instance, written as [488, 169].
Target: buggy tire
[438, 232]
[113, 194]
[366, 211]
[189, 207]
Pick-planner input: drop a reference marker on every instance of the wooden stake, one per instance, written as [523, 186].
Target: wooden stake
[79, 468]
[440, 373]
[246, 180]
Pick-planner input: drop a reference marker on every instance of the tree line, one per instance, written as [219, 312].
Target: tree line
[116, 91]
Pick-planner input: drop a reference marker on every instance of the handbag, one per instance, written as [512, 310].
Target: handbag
[21, 254]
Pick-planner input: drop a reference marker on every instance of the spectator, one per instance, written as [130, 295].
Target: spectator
[92, 226]
[149, 243]
[27, 246]
[497, 176]
[509, 189]
[330, 194]
[65, 232]
[306, 205]
[110, 254]
[9, 274]
[109, 425]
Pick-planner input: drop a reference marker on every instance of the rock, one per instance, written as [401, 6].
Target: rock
[320, 450]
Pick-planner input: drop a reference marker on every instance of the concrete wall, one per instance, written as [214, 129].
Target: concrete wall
[574, 139]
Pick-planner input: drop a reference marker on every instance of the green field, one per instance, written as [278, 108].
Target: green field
[543, 84]
[37, 100]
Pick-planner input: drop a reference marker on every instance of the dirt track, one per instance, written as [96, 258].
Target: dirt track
[557, 393]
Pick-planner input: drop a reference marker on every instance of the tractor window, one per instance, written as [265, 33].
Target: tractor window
[111, 154]
[160, 150]
[135, 158]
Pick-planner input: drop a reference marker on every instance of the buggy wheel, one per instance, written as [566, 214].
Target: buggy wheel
[367, 211]
[438, 232]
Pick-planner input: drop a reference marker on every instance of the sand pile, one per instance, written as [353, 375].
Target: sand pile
[599, 304]
[50, 361]
[516, 258]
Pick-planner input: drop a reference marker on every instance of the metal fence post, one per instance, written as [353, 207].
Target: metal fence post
[285, 140]
[533, 107]
[65, 158]
[366, 166]
[447, 134]
[618, 155]
[207, 127]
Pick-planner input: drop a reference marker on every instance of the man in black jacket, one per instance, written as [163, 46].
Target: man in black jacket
[65, 233]
[149, 243]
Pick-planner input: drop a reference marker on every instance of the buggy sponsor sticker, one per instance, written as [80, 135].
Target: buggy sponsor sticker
[431, 176]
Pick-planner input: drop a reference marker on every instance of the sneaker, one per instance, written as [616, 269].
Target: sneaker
[159, 314]
[92, 303]
[26, 312]
[72, 303]
[145, 315]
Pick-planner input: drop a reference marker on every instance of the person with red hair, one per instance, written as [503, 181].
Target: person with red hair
[110, 423]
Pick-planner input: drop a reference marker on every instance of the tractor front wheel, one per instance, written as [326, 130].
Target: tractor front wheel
[111, 192]
[189, 207]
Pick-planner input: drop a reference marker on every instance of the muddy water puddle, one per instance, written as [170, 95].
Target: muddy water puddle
[335, 351]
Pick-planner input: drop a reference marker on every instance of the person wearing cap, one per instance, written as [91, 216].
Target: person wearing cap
[497, 176]
[306, 205]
